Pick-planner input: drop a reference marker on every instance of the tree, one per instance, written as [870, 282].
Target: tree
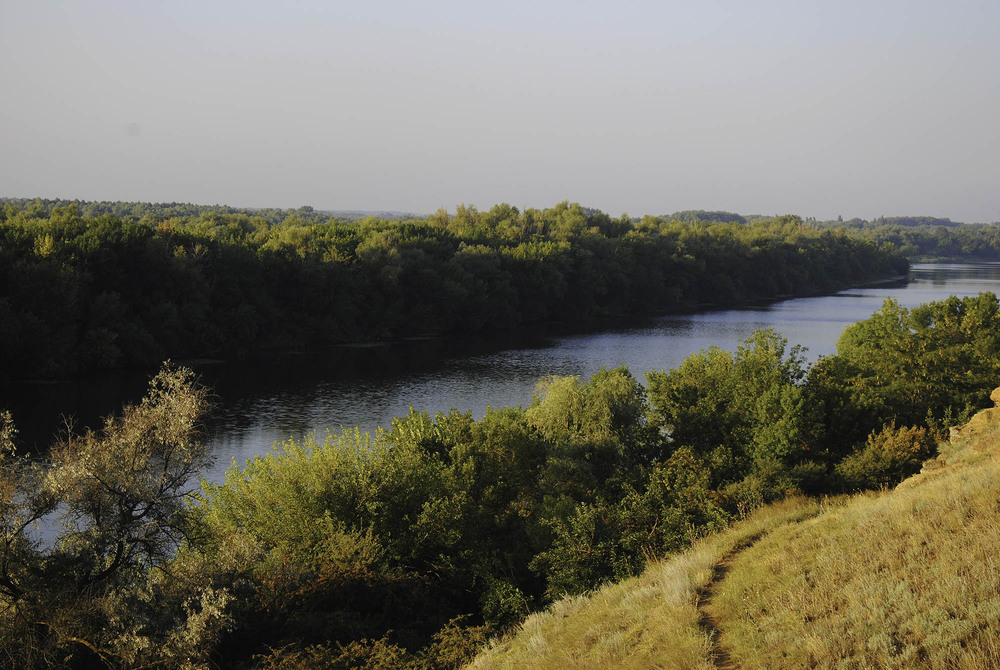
[935, 363]
[743, 413]
[596, 429]
[86, 530]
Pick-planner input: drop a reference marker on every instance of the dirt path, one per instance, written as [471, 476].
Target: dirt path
[706, 594]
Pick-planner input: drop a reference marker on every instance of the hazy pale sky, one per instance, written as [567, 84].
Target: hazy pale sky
[821, 108]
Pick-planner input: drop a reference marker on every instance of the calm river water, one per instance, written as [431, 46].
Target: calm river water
[262, 404]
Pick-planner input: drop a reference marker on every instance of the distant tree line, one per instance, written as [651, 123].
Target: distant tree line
[911, 221]
[971, 241]
[409, 548]
[927, 238]
[132, 284]
[153, 213]
[701, 215]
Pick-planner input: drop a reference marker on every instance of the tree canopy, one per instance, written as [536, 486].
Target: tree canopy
[84, 288]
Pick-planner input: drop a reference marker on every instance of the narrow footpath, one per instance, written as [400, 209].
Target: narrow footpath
[709, 623]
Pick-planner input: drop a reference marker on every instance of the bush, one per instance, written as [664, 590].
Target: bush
[889, 456]
[370, 655]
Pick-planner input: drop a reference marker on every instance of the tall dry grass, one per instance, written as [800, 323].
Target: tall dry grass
[649, 621]
[905, 579]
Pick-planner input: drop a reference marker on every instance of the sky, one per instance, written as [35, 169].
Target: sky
[818, 108]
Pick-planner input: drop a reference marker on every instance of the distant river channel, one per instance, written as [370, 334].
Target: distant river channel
[260, 404]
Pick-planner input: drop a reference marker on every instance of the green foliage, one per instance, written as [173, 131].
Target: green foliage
[601, 451]
[740, 412]
[889, 456]
[707, 217]
[92, 286]
[929, 238]
[935, 364]
[365, 534]
[409, 547]
[367, 654]
[448, 516]
[605, 414]
[585, 551]
[503, 605]
[451, 648]
[86, 589]
[682, 502]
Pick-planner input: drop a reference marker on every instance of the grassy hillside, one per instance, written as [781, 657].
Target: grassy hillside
[905, 578]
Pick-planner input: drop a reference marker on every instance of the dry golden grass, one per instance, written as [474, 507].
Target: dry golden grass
[905, 579]
[649, 621]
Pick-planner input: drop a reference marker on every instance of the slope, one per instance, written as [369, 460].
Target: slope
[899, 579]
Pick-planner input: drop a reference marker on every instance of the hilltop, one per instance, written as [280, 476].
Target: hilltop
[898, 579]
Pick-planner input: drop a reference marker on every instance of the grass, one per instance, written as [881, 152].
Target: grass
[908, 578]
[649, 621]
[904, 579]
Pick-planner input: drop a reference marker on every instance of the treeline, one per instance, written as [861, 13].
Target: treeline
[971, 241]
[84, 293]
[409, 548]
[914, 221]
[153, 213]
[926, 238]
[701, 215]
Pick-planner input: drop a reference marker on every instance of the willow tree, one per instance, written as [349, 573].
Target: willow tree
[88, 530]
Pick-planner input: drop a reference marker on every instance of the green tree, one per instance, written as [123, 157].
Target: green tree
[934, 364]
[742, 412]
[87, 588]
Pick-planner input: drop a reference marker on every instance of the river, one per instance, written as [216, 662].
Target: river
[258, 405]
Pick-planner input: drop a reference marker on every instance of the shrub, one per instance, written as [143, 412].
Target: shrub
[888, 457]
[370, 655]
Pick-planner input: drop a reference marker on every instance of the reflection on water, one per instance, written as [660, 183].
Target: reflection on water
[265, 403]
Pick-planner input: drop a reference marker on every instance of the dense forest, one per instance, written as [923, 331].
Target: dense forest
[86, 287]
[409, 548]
